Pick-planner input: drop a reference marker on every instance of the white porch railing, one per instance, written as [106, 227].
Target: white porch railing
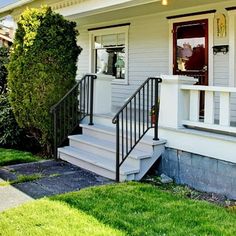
[211, 94]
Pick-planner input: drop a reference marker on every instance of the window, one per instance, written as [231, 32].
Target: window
[191, 45]
[109, 48]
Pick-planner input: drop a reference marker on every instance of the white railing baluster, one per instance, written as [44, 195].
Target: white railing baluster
[209, 107]
[225, 108]
[194, 105]
[209, 124]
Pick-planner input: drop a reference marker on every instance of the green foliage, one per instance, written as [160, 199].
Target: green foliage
[22, 179]
[42, 69]
[10, 157]
[118, 209]
[10, 133]
[4, 55]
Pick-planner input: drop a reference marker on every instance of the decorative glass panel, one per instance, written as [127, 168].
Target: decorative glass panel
[121, 39]
[109, 40]
[190, 47]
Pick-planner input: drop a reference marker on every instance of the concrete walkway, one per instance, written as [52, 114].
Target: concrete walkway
[54, 177]
[11, 197]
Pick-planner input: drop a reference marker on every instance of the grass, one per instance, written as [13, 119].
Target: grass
[22, 179]
[119, 209]
[10, 157]
[45, 217]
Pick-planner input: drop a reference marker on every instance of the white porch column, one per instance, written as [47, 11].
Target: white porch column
[102, 95]
[174, 102]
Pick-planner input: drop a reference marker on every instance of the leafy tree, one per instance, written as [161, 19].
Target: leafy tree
[42, 69]
[10, 133]
[4, 54]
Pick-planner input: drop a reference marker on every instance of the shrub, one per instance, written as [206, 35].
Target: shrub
[10, 133]
[42, 69]
[4, 58]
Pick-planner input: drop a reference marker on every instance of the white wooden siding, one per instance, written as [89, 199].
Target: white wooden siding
[83, 60]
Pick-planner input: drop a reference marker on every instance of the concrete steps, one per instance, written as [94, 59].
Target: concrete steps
[94, 150]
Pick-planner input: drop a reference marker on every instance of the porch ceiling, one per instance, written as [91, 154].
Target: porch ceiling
[121, 12]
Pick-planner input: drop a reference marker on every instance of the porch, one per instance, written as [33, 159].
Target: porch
[148, 47]
[211, 133]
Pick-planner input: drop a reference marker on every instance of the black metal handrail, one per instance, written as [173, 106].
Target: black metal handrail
[135, 118]
[71, 109]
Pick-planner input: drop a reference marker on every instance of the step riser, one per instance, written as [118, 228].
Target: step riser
[110, 154]
[112, 137]
[93, 168]
[98, 134]
[146, 164]
[107, 121]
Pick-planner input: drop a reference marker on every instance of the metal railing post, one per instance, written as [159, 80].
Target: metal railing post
[156, 106]
[91, 100]
[55, 133]
[118, 150]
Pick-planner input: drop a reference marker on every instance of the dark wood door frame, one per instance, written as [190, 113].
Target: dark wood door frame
[202, 75]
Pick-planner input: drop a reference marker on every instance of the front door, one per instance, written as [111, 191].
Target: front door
[191, 49]
[191, 52]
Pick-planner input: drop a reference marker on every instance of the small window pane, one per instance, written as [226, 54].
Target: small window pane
[109, 40]
[97, 42]
[111, 61]
[190, 53]
[121, 39]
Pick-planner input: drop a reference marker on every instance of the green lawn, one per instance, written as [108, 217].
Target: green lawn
[119, 209]
[10, 157]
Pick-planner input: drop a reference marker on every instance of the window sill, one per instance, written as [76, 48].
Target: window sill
[112, 79]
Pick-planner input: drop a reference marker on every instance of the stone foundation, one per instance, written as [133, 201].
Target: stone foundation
[200, 172]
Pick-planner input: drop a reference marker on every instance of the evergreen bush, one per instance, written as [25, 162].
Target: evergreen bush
[10, 133]
[42, 69]
[4, 58]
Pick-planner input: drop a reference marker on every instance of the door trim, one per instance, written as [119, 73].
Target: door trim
[210, 18]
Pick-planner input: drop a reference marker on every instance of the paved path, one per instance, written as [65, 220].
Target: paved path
[11, 197]
[55, 177]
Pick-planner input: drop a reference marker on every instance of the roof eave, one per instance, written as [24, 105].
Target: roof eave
[14, 5]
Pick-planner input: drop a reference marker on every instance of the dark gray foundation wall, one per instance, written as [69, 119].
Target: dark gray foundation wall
[200, 172]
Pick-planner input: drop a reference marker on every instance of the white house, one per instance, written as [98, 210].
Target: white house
[6, 35]
[191, 45]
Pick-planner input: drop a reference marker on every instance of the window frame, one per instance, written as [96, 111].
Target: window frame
[107, 31]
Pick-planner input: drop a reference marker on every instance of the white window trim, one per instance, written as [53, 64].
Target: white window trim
[232, 48]
[210, 18]
[115, 30]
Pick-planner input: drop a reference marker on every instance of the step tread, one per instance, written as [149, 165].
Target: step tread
[97, 160]
[107, 145]
[147, 139]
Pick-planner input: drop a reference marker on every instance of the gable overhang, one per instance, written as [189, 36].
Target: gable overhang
[91, 7]
[92, 11]
[8, 8]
